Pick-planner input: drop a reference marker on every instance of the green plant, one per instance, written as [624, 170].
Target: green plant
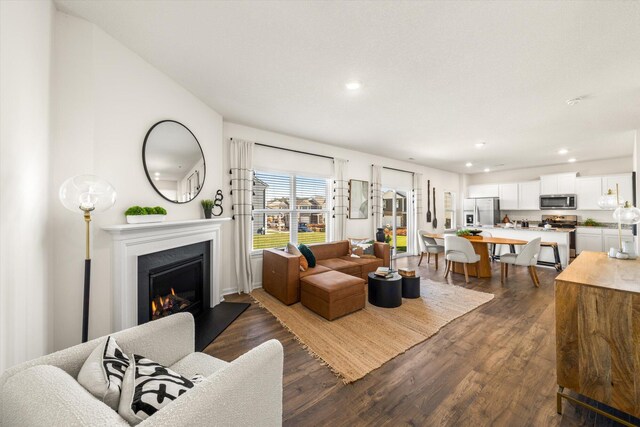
[207, 204]
[463, 232]
[590, 222]
[160, 210]
[149, 210]
[135, 210]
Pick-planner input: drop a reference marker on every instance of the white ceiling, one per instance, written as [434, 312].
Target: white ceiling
[437, 76]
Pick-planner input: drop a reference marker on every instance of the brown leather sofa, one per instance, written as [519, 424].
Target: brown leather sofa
[281, 270]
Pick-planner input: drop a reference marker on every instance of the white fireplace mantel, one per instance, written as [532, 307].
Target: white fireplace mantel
[133, 240]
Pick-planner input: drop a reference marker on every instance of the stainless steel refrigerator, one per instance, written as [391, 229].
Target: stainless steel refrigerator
[481, 211]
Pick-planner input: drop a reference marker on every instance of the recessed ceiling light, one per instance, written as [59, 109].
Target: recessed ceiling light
[480, 144]
[563, 151]
[574, 101]
[468, 164]
[157, 174]
[572, 160]
[157, 179]
[353, 85]
[487, 170]
[411, 158]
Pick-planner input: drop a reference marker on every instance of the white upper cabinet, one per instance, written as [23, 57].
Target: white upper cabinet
[588, 190]
[624, 183]
[508, 194]
[483, 190]
[528, 195]
[560, 183]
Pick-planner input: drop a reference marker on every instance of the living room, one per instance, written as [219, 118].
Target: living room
[343, 144]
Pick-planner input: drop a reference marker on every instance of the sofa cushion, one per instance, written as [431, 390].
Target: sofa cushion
[198, 364]
[330, 250]
[315, 270]
[308, 254]
[103, 371]
[148, 387]
[341, 265]
[293, 250]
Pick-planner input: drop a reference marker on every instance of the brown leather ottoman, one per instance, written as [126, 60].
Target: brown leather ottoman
[332, 294]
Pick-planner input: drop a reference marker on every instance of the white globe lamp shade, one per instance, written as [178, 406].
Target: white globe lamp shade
[87, 193]
[609, 200]
[627, 215]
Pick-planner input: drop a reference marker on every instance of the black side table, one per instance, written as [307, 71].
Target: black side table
[384, 292]
[411, 287]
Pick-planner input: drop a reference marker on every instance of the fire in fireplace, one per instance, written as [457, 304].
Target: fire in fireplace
[173, 281]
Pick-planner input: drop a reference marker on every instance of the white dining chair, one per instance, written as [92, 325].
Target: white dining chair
[430, 247]
[492, 246]
[459, 249]
[528, 257]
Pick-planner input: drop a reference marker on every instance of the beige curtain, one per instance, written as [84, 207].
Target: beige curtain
[340, 199]
[241, 161]
[414, 219]
[376, 197]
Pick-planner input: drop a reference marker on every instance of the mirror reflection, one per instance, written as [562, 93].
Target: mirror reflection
[173, 161]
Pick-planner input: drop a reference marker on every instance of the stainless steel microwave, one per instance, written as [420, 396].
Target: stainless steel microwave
[558, 201]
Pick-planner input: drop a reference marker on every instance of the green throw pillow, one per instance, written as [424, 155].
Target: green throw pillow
[306, 252]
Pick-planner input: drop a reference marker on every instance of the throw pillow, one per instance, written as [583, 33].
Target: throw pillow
[149, 387]
[361, 246]
[293, 250]
[103, 371]
[306, 252]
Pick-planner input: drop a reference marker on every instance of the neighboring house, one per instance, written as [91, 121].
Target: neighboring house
[401, 208]
[259, 202]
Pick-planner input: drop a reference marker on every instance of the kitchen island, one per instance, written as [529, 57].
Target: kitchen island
[560, 236]
[598, 332]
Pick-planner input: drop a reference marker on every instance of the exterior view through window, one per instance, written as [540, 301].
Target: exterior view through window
[289, 208]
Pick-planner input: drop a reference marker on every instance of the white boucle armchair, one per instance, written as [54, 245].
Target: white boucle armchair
[247, 391]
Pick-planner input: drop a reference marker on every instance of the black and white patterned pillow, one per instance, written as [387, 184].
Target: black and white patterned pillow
[103, 371]
[148, 387]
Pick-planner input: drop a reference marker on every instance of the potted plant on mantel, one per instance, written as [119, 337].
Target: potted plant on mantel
[140, 215]
[207, 206]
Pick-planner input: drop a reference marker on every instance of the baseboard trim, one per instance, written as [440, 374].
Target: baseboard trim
[229, 291]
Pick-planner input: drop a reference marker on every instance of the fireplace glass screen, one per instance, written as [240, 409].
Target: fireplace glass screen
[176, 287]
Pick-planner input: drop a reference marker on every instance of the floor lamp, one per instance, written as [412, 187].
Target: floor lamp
[85, 194]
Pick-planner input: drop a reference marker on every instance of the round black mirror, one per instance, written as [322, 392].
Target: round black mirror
[173, 161]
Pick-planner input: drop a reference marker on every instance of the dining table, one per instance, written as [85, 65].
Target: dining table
[481, 269]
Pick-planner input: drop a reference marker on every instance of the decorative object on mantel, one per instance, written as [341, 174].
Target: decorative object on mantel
[140, 215]
[85, 194]
[435, 220]
[174, 161]
[428, 200]
[624, 213]
[218, 203]
[207, 206]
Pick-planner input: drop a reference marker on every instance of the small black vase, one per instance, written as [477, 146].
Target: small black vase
[207, 213]
[380, 235]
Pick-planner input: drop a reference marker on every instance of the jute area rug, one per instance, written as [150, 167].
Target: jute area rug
[356, 344]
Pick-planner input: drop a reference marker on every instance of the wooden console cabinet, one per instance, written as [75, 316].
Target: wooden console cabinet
[598, 331]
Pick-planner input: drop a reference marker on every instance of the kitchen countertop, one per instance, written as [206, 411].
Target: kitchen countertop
[536, 228]
[606, 225]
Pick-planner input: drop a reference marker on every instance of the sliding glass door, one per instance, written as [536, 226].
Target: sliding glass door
[395, 210]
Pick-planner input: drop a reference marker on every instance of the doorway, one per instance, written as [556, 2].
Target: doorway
[395, 210]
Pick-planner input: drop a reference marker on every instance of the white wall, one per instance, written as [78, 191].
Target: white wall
[25, 58]
[596, 167]
[359, 167]
[105, 100]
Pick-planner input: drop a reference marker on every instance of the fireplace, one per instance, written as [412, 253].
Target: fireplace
[173, 281]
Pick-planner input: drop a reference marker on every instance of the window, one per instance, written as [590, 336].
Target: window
[277, 219]
[449, 210]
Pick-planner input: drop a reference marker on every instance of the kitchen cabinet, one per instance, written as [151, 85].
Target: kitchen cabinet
[624, 183]
[528, 195]
[560, 183]
[610, 238]
[588, 190]
[508, 194]
[483, 190]
[589, 239]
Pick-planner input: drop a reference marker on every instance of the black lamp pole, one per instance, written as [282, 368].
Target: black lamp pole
[87, 277]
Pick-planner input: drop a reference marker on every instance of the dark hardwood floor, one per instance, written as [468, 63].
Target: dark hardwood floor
[494, 366]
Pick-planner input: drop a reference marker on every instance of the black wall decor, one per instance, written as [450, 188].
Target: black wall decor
[217, 204]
